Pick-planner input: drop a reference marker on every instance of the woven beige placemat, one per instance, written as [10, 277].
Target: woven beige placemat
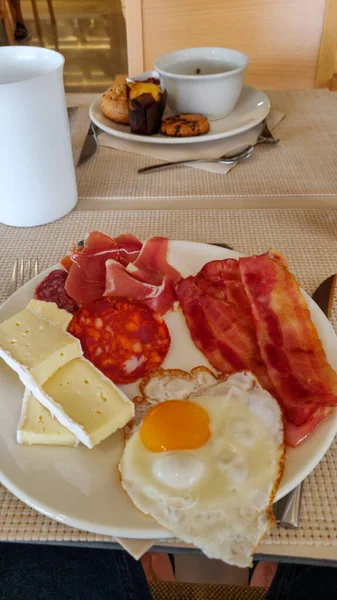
[308, 238]
[304, 164]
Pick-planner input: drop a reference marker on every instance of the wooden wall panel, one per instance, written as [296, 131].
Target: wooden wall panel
[281, 37]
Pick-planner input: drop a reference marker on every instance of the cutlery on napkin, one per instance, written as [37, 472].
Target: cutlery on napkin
[202, 150]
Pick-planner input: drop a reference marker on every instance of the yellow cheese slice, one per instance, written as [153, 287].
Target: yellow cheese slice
[35, 347]
[50, 311]
[85, 401]
[37, 426]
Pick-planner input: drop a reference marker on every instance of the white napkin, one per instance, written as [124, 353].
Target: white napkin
[212, 149]
[135, 547]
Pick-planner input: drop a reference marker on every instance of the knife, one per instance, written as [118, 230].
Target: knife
[90, 145]
[71, 110]
[287, 510]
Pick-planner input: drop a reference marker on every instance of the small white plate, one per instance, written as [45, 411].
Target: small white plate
[81, 487]
[252, 107]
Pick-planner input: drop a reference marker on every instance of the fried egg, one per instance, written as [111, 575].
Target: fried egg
[206, 465]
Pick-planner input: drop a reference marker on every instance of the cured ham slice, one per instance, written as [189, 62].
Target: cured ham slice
[129, 248]
[287, 338]
[86, 278]
[219, 318]
[151, 265]
[121, 283]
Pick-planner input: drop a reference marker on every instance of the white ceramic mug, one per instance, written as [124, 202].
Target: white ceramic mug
[37, 175]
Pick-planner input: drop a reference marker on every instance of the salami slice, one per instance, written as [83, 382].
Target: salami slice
[52, 289]
[124, 339]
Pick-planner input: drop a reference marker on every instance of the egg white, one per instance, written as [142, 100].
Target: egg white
[218, 496]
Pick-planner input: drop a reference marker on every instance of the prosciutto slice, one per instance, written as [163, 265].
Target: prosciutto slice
[220, 321]
[289, 344]
[121, 283]
[129, 247]
[86, 278]
[151, 265]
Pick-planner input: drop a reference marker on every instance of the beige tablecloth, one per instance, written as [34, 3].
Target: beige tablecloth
[308, 238]
[299, 172]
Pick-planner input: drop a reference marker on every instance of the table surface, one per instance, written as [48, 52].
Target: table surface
[308, 237]
[299, 172]
[295, 185]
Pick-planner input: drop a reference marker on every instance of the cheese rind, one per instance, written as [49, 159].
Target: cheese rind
[85, 401]
[31, 344]
[37, 426]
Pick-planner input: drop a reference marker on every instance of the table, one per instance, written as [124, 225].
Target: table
[289, 204]
[299, 172]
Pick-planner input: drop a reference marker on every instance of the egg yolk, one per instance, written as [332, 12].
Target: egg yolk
[175, 425]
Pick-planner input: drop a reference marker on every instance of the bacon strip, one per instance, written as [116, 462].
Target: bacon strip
[287, 338]
[219, 318]
[232, 330]
[296, 434]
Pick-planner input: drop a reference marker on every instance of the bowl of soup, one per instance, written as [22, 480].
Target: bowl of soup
[202, 80]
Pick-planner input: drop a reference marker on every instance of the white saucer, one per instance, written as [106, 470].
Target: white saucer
[252, 107]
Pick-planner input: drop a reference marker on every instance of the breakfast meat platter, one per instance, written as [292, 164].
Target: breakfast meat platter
[164, 388]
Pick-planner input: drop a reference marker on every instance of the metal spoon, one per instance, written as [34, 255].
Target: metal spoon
[265, 137]
[224, 160]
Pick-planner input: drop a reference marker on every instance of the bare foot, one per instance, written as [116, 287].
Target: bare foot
[157, 567]
[263, 574]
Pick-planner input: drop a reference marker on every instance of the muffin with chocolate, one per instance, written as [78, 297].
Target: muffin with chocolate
[146, 104]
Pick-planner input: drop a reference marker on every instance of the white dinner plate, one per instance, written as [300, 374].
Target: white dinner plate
[252, 107]
[80, 487]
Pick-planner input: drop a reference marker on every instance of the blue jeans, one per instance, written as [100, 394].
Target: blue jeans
[299, 582]
[44, 572]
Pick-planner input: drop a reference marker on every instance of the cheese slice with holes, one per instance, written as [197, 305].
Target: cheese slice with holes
[50, 311]
[37, 426]
[49, 362]
[36, 347]
[85, 401]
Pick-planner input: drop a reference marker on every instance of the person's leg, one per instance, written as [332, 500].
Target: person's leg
[21, 31]
[17, 12]
[46, 572]
[299, 582]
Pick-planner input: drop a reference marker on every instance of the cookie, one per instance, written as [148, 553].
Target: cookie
[185, 125]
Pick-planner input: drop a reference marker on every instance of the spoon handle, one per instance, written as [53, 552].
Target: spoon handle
[167, 164]
[230, 160]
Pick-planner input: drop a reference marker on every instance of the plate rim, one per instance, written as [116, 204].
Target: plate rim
[178, 141]
[156, 531]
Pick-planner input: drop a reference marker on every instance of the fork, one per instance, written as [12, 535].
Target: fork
[23, 271]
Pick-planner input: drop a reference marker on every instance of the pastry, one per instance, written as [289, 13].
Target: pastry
[185, 125]
[147, 103]
[115, 104]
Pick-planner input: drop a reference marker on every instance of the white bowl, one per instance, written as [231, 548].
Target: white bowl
[202, 80]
